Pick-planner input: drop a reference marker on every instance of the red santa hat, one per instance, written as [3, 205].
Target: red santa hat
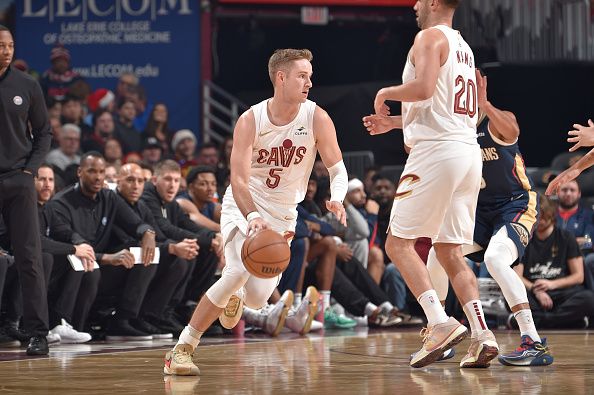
[100, 99]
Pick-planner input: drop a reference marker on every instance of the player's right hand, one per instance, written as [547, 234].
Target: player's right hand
[561, 179]
[583, 136]
[379, 104]
[256, 225]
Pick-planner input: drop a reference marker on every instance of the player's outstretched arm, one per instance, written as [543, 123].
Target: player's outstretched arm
[380, 124]
[241, 158]
[502, 124]
[582, 136]
[572, 173]
[327, 146]
[428, 51]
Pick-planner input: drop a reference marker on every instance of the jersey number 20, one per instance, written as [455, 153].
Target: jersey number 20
[467, 107]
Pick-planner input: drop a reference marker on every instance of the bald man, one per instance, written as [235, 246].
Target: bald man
[128, 283]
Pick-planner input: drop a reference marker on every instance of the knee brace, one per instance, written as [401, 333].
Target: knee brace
[499, 256]
[258, 291]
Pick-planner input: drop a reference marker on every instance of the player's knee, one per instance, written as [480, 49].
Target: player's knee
[497, 257]
[448, 254]
[256, 296]
[220, 292]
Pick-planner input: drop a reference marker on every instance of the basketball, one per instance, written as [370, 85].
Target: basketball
[265, 254]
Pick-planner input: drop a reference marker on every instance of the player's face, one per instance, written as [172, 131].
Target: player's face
[569, 195]
[6, 49]
[421, 8]
[204, 187]
[131, 184]
[44, 184]
[91, 174]
[167, 185]
[298, 80]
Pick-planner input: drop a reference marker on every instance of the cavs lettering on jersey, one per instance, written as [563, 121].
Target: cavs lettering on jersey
[451, 113]
[504, 172]
[282, 156]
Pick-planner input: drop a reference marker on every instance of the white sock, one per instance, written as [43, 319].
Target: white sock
[432, 308]
[370, 309]
[297, 299]
[189, 336]
[526, 324]
[476, 318]
[325, 299]
[386, 306]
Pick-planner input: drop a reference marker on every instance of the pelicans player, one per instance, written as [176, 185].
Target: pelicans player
[436, 195]
[274, 148]
[506, 216]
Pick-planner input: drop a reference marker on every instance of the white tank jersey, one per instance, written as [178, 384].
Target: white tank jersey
[451, 113]
[282, 157]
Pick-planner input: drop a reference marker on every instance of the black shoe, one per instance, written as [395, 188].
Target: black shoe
[7, 340]
[12, 329]
[37, 346]
[149, 328]
[167, 324]
[120, 329]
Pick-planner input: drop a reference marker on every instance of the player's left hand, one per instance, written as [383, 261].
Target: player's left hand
[561, 179]
[378, 124]
[338, 209]
[583, 136]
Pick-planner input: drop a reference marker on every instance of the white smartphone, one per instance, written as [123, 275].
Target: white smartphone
[137, 252]
[77, 264]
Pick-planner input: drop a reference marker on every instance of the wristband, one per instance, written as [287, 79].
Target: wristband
[253, 215]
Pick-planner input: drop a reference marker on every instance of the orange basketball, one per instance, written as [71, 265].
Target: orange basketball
[265, 254]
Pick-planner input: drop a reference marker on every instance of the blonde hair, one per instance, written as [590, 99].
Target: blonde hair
[282, 57]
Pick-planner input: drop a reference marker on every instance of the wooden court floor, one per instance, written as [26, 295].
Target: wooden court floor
[343, 362]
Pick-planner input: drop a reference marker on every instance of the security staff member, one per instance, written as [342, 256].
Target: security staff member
[25, 138]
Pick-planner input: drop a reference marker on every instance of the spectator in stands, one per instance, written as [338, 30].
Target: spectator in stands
[100, 99]
[126, 83]
[67, 153]
[57, 80]
[552, 270]
[112, 152]
[132, 157]
[183, 145]
[157, 126]
[125, 286]
[111, 175]
[208, 155]
[152, 151]
[198, 200]
[574, 217]
[72, 112]
[225, 153]
[54, 108]
[87, 213]
[125, 131]
[369, 177]
[147, 171]
[144, 109]
[103, 128]
[160, 303]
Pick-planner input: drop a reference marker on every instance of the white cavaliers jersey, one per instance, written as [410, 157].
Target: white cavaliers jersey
[451, 113]
[282, 157]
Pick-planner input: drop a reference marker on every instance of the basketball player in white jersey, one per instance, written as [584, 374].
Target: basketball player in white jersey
[437, 193]
[274, 149]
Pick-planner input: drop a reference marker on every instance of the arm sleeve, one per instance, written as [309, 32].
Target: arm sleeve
[339, 181]
[40, 129]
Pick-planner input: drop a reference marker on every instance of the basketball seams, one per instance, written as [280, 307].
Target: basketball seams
[265, 269]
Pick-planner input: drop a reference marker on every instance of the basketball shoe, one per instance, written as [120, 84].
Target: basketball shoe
[300, 319]
[179, 361]
[481, 351]
[232, 312]
[271, 318]
[437, 339]
[529, 353]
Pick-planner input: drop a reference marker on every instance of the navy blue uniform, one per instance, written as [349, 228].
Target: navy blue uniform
[506, 197]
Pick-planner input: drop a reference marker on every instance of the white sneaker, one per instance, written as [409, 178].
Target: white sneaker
[69, 335]
[299, 319]
[53, 338]
[316, 326]
[271, 318]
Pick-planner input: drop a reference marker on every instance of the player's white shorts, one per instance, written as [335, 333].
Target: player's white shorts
[437, 193]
